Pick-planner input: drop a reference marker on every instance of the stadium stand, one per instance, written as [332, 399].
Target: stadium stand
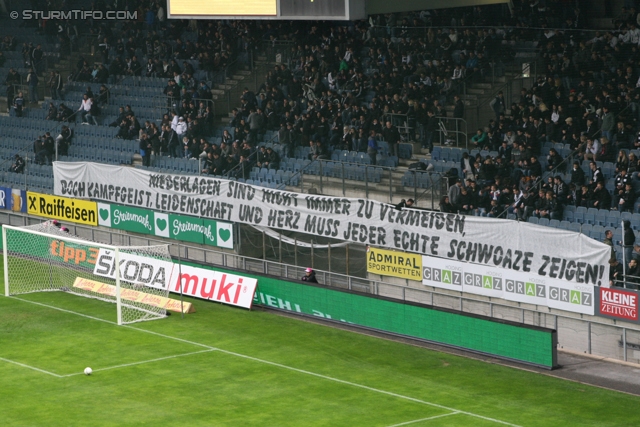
[337, 86]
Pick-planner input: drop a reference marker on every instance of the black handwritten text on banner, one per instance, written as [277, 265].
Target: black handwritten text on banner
[517, 246]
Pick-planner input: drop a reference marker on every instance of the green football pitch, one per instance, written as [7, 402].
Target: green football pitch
[224, 366]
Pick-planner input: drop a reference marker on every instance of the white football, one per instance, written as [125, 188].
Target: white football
[88, 371]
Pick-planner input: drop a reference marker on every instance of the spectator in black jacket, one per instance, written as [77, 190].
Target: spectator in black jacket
[172, 91]
[18, 105]
[631, 275]
[458, 110]
[12, 79]
[145, 150]
[600, 197]
[553, 160]
[616, 273]
[430, 130]
[39, 150]
[243, 168]
[542, 208]
[405, 204]
[627, 199]
[213, 164]
[446, 206]
[52, 113]
[629, 238]
[103, 95]
[466, 202]
[64, 140]
[55, 85]
[18, 164]
[577, 175]
[64, 113]
[596, 174]
[391, 134]
[273, 159]
[309, 276]
[535, 168]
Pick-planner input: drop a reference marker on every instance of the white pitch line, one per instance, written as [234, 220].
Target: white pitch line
[30, 367]
[66, 311]
[114, 323]
[424, 419]
[302, 371]
[377, 390]
[140, 363]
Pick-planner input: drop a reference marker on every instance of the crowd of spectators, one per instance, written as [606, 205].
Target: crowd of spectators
[344, 86]
[350, 86]
[386, 76]
[587, 99]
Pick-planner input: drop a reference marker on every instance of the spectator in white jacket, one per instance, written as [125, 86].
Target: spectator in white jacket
[85, 109]
[181, 127]
[174, 121]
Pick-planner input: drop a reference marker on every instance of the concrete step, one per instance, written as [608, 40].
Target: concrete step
[244, 72]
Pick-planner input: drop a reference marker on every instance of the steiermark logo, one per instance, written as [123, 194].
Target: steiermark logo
[225, 235]
[104, 214]
[161, 224]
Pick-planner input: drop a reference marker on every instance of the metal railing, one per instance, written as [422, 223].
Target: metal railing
[479, 113]
[576, 332]
[382, 183]
[26, 92]
[437, 185]
[279, 51]
[453, 131]
[405, 125]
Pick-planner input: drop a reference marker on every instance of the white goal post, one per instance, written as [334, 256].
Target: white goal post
[44, 257]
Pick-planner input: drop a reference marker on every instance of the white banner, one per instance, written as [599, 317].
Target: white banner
[135, 269]
[215, 286]
[508, 284]
[191, 281]
[517, 246]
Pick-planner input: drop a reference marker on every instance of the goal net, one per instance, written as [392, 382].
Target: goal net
[43, 257]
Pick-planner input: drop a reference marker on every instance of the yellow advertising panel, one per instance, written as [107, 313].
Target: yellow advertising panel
[392, 263]
[62, 208]
[223, 7]
[133, 295]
